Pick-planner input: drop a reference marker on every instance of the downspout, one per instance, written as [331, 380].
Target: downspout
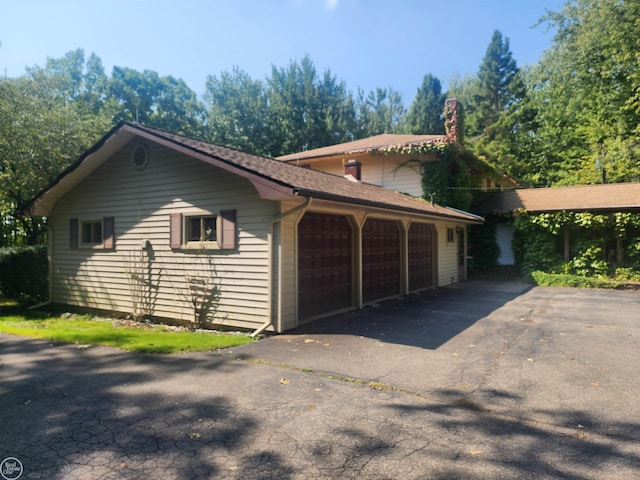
[276, 220]
[49, 270]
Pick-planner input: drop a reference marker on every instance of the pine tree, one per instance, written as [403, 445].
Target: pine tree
[425, 113]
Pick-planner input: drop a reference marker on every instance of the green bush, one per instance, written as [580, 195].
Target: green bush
[568, 280]
[23, 273]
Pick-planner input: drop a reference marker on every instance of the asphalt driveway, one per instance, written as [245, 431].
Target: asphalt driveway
[486, 380]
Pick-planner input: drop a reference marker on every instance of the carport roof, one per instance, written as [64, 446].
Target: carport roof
[273, 179]
[608, 197]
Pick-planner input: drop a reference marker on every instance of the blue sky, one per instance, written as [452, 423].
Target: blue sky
[366, 43]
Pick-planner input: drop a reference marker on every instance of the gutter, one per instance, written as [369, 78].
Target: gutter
[49, 270]
[276, 220]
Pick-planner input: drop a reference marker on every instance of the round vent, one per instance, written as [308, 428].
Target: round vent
[140, 157]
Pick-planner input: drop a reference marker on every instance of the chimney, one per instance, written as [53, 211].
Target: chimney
[353, 168]
[453, 119]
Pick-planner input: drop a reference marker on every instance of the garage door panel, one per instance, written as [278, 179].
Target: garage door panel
[325, 263]
[380, 259]
[421, 240]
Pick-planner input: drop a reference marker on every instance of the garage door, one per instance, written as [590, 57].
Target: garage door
[325, 263]
[380, 259]
[421, 256]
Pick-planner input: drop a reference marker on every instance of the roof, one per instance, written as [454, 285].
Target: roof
[381, 142]
[273, 179]
[608, 196]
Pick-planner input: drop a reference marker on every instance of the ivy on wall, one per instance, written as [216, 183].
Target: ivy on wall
[600, 244]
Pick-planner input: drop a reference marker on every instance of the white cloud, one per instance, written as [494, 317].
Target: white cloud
[331, 4]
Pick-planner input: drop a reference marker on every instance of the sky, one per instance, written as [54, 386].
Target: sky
[365, 43]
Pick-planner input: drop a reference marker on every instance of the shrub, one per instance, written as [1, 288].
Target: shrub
[23, 273]
[568, 280]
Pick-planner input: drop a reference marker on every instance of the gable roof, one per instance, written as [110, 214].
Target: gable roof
[608, 196]
[376, 143]
[273, 179]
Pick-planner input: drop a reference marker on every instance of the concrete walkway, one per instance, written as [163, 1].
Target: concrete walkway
[486, 380]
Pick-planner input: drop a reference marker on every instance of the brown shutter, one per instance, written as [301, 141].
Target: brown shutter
[175, 234]
[227, 235]
[73, 233]
[108, 233]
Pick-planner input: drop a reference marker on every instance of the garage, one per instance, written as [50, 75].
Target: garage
[325, 263]
[380, 259]
[421, 240]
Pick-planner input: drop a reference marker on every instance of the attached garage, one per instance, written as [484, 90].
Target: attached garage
[325, 263]
[422, 254]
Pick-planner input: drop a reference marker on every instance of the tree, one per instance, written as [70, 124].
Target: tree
[381, 111]
[588, 83]
[498, 84]
[425, 113]
[237, 112]
[40, 134]
[162, 102]
[306, 110]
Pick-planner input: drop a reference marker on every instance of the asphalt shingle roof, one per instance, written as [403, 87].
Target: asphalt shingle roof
[298, 180]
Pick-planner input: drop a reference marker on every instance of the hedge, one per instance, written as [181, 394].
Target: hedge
[23, 273]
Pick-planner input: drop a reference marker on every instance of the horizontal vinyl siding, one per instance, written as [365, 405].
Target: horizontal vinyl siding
[141, 202]
[288, 264]
[447, 257]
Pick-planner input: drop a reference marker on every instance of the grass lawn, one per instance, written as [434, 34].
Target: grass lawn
[85, 330]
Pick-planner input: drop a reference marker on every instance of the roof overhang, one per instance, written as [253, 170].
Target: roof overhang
[118, 137]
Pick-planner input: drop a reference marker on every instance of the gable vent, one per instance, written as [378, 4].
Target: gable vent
[140, 156]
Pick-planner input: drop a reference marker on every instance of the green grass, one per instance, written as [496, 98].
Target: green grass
[84, 330]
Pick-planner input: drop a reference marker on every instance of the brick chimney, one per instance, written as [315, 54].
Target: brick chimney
[353, 168]
[453, 119]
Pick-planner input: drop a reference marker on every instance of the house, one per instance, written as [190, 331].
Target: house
[160, 225]
[395, 162]
[598, 199]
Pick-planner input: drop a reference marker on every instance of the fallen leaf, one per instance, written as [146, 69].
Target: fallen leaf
[595, 384]
[195, 435]
[309, 340]
[589, 326]
[285, 381]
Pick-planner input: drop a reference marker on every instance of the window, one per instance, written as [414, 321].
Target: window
[91, 231]
[451, 235]
[201, 229]
[191, 231]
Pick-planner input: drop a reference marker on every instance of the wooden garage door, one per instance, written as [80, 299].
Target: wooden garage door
[380, 259]
[325, 263]
[421, 256]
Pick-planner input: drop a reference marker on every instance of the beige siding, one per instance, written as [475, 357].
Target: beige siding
[447, 256]
[288, 316]
[393, 172]
[141, 202]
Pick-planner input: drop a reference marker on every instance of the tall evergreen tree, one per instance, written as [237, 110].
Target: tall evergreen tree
[497, 85]
[379, 112]
[425, 113]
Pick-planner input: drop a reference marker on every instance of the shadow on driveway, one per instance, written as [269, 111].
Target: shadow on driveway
[426, 320]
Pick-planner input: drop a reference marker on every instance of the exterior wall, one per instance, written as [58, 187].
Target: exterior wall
[287, 317]
[390, 171]
[141, 203]
[447, 255]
